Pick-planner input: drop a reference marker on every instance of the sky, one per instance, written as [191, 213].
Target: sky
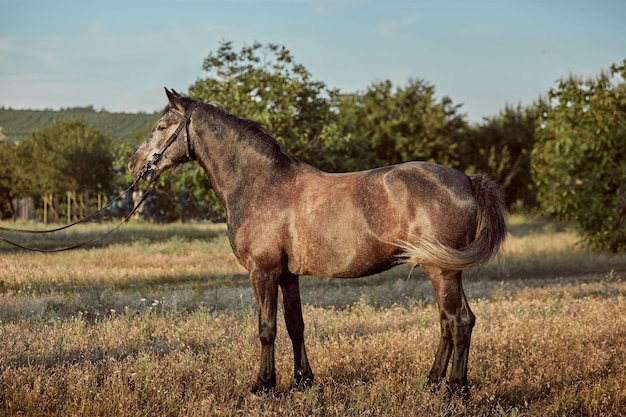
[117, 55]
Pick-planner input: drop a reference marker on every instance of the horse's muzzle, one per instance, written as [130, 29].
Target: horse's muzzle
[149, 172]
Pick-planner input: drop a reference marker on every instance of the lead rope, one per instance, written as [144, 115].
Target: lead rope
[87, 242]
[67, 226]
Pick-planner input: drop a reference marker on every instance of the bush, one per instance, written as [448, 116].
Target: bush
[578, 161]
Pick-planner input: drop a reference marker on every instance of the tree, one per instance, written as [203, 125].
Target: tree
[393, 125]
[8, 179]
[578, 163]
[70, 155]
[501, 147]
[263, 83]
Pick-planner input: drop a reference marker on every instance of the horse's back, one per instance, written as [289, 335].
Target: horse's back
[430, 182]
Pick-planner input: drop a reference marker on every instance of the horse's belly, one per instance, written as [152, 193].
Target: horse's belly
[347, 271]
[341, 255]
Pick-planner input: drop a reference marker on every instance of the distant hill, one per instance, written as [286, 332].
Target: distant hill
[17, 125]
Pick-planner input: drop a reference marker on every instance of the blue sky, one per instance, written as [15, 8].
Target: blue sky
[117, 55]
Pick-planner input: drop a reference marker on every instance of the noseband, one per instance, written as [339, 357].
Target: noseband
[183, 124]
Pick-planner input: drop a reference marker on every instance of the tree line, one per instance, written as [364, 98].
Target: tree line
[561, 156]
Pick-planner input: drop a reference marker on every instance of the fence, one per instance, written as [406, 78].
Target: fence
[58, 208]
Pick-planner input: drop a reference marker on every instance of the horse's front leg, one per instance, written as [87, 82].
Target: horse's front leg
[303, 376]
[265, 286]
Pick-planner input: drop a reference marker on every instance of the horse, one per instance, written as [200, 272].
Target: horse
[287, 218]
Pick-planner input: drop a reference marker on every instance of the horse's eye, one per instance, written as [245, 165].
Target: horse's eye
[161, 128]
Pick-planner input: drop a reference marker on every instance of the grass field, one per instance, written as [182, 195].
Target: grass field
[160, 320]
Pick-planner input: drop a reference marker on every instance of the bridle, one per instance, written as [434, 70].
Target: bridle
[184, 124]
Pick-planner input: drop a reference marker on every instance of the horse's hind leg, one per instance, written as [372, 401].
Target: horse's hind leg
[457, 322]
[303, 376]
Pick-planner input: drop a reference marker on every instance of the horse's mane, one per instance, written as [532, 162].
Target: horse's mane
[262, 141]
[253, 133]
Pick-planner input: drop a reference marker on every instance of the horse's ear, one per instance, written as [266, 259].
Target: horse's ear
[175, 100]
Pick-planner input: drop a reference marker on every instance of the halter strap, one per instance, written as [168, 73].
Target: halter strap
[184, 124]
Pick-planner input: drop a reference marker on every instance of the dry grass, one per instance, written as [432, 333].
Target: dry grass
[148, 326]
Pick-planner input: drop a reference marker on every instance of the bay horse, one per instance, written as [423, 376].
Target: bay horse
[286, 219]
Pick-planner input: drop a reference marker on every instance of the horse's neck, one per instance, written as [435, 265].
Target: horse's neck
[235, 168]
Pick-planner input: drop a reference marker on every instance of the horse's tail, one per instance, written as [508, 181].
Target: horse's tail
[491, 233]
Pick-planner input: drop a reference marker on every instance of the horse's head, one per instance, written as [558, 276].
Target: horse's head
[168, 144]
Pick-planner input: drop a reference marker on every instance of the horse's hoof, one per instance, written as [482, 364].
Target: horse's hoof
[459, 391]
[463, 393]
[436, 384]
[301, 383]
[450, 389]
[261, 389]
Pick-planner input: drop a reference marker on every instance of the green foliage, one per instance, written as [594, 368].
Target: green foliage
[68, 156]
[183, 194]
[392, 125]
[578, 161]
[501, 147]
[263, 83]
[8, 179]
